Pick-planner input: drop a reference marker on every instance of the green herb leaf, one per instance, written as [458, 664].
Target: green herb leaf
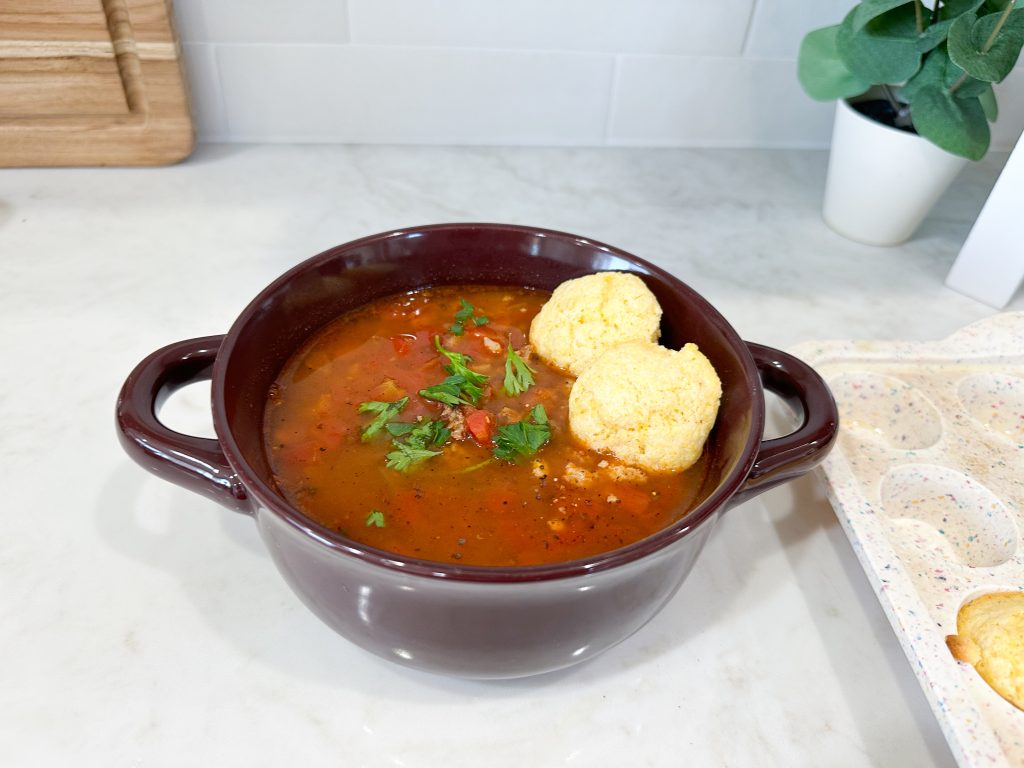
[459, 364]
[428, 433]
[448, 391]
[406, 456]
[472, 383]
[376, 517]
[399, 428]
[385, 412]
[420, 438]
[464, 315]
[522, 438]
[466, 312]
[518, 375]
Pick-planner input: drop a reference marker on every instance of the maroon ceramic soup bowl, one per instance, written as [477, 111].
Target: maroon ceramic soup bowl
[471, 621]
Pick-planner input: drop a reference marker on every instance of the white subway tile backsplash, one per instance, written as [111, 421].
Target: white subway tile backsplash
[726, 102]
[531, 72]
[612, 26]
[778, 26]
[262, 21]
[205, 96]
[400, 95]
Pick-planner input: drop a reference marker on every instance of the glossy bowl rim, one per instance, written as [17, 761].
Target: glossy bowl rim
[270, 500]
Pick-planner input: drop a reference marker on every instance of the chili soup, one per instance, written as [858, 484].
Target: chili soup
[422, 424]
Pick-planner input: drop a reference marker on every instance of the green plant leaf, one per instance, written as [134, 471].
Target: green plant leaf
[933, 36]
[969, 87]
[821, 72]
[956, 125]
[900, 23]
[988, 102]
[951, 9]
[866, 10]
[938, 70]
[880, 52]
[932, 72]
[968, 36]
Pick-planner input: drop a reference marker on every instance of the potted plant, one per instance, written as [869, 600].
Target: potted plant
[914, 90]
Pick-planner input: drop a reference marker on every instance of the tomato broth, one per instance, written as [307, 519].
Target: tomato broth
[422, 478]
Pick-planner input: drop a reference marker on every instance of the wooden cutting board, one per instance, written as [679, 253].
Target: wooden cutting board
[91, 82]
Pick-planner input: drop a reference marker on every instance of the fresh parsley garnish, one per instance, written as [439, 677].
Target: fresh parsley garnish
[385, 413]
[419, 439]
[405, 456]
[399, 428]
[518, 375]
[428, 433]
[463, 386]
[472, 383]
[376, 517]
[522, 438]
[464, 315]
[448, 391]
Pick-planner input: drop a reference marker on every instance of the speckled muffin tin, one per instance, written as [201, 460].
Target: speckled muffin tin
[927, 479]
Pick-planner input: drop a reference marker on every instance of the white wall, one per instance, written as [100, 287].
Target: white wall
[680, 73]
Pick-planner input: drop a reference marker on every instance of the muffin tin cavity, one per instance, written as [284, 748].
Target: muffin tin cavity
[927, 479]
[996, 402]
[972, 521]
[889, 409]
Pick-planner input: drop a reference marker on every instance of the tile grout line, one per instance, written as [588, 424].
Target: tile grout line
[348, 23]
[744, 49]
[215, 55]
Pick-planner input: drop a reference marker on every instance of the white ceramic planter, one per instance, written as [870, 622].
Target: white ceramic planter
[882, 181]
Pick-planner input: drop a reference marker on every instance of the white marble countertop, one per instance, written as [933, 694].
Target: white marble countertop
[141, 625]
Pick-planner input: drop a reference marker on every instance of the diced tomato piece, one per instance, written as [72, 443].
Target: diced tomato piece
[402, 343]
[481, 426]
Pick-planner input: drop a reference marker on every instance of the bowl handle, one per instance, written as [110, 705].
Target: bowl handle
[795, 454]
[197, 463]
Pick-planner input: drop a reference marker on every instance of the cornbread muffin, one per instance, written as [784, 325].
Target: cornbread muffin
[650, 406]
[590, 314]
[990, 637]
